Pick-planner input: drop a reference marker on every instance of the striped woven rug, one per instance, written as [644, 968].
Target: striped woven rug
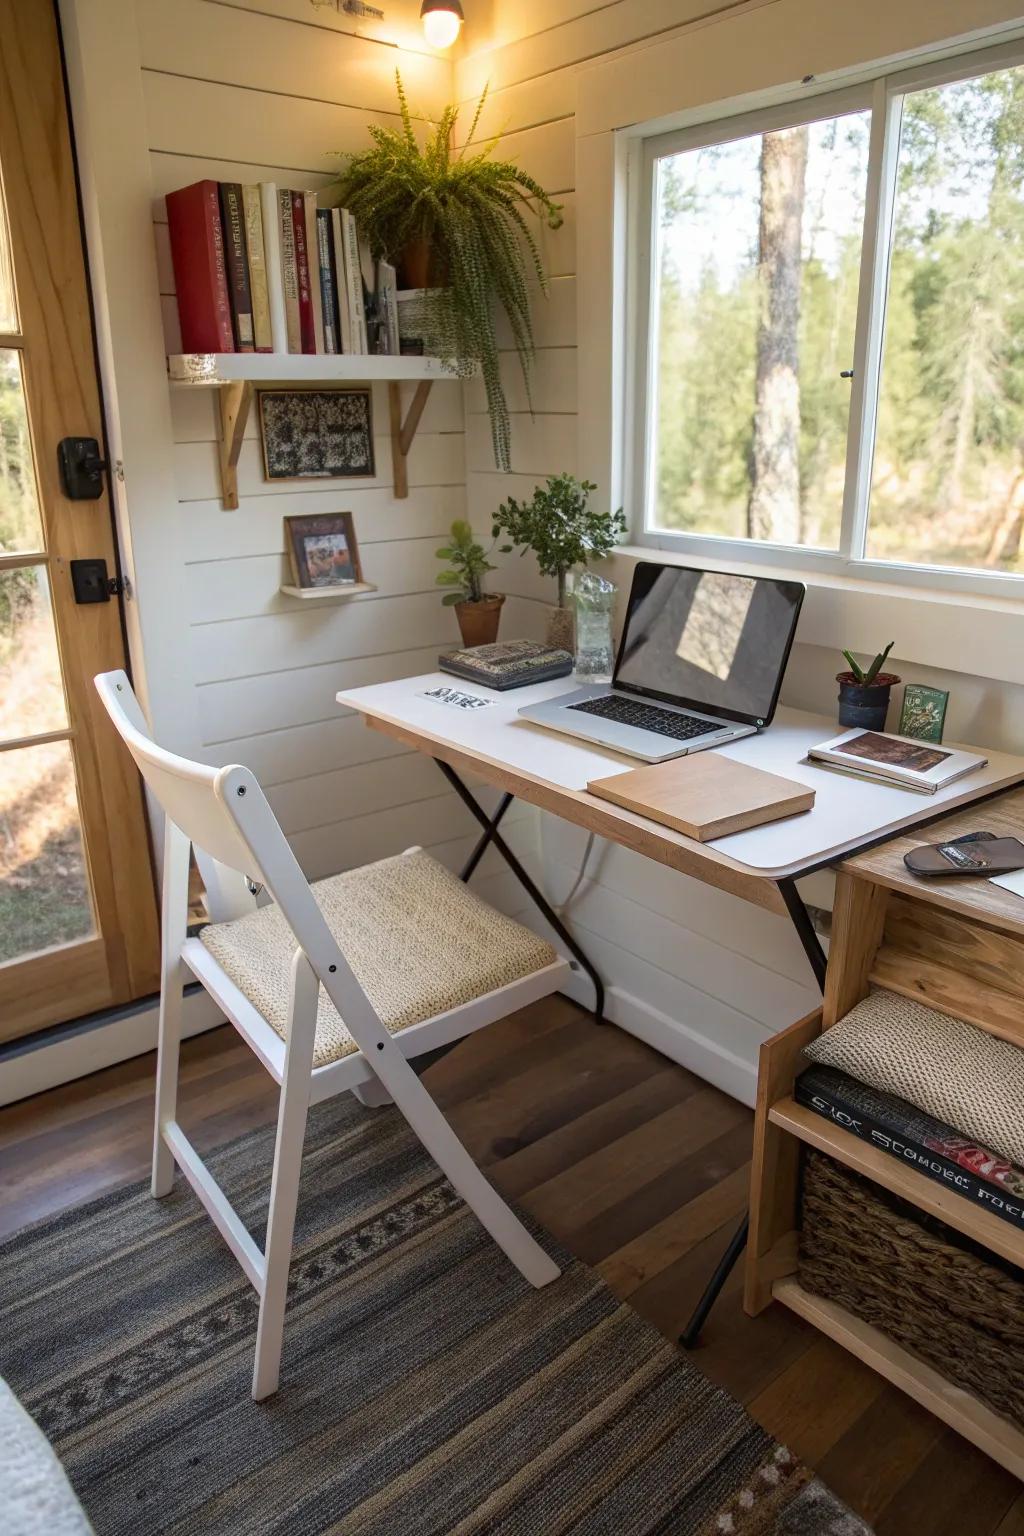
[427, 1390]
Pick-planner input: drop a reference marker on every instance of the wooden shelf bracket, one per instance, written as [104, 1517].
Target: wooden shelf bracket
[403, 432]
[235, 402]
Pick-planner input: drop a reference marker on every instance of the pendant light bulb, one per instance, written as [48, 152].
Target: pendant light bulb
[441, 21]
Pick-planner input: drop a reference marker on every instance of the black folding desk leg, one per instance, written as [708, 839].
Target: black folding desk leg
[818, 962]
[491, 835]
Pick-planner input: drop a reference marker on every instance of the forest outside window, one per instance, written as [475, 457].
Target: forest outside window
[834, 322]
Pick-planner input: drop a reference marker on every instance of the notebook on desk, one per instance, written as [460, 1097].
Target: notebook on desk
[705, 796]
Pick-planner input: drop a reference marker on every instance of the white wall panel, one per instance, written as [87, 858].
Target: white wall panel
[257, 527]
[269, 53]
[250, 587]
[299, 695]
[203, 117]
[314, 636]
[296, 752]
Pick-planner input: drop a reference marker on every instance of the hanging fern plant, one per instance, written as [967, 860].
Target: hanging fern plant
[467, 217]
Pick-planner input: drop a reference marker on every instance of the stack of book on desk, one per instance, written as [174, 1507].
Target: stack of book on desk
[896, 760]
[507, 664]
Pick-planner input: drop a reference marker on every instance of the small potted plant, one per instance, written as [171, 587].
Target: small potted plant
[477, 611]
[864, 692]
[563, 531]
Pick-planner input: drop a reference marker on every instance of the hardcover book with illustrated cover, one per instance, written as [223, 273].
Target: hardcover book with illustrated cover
[507, 664]
[896, 760]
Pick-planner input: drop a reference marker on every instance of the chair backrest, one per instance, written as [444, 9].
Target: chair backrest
[225, 812]
[197, 798]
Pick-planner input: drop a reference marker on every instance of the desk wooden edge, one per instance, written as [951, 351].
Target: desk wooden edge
[601, 817]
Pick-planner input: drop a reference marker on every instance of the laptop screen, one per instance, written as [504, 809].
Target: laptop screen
[708, 639]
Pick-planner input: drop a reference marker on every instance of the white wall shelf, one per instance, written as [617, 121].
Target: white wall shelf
[329, 594]
[207, 370]
[234, 374]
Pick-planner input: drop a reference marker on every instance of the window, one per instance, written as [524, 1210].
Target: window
[832, 326]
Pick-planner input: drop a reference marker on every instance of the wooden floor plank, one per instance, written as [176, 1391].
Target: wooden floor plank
[955, 1491]
[1012, 1523]
[817, 1399]
[872, 1461]
[636, 1165]
[658, 1246]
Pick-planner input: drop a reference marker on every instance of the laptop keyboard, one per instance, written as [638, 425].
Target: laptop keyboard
[646, 717]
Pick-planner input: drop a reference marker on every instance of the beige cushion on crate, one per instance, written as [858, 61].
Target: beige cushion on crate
[948, 1068]
[418, 940]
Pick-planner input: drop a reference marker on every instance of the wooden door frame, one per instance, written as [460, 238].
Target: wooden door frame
[63, 396]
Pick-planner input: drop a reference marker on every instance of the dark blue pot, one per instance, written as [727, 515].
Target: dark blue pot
[862, 707]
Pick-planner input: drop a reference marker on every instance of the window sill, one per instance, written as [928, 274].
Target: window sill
[966, 632]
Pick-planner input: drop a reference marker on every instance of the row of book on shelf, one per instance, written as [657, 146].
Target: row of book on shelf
[263, 268]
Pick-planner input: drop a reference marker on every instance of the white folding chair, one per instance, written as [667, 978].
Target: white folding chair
[264, 966]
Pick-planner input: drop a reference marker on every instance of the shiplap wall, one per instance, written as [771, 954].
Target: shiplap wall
[692, 970]
[274, 90]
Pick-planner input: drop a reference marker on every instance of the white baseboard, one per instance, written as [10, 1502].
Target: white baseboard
[36, 1066]
[701, 1055]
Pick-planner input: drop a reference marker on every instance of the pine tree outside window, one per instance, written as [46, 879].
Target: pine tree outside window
[831, 318]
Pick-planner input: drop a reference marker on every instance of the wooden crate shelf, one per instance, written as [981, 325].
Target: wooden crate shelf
[957, 946]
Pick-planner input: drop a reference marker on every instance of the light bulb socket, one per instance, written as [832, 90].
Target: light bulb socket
[454, 6]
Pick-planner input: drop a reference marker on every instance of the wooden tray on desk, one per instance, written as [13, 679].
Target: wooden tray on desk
[706, 795]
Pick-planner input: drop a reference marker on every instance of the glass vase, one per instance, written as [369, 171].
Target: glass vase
[594, 601]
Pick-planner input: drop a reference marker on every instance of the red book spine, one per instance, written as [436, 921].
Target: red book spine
[307, 324]
[200, 268]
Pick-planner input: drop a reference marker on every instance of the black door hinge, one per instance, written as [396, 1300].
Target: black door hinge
[91, 584]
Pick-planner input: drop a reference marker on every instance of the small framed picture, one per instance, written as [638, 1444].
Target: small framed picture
[923, 714]
[323, 551]
[316, 433]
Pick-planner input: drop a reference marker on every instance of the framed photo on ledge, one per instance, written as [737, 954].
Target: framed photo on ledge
[322, 550]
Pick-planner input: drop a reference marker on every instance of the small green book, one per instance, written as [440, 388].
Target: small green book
[507, 664]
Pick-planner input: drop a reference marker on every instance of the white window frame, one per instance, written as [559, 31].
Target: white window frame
[883, 96]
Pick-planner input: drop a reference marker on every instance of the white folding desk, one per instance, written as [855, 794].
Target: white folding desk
[761, 865]
[552, 771]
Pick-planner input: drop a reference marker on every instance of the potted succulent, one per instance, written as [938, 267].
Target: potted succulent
[864, 692]
[562, 529]
[477, 611]
[457, 225]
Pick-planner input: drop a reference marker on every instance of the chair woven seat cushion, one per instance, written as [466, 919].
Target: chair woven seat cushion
[949, 1069]
[418, 940]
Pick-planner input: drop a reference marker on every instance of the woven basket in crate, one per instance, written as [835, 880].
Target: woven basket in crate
[916, 1280]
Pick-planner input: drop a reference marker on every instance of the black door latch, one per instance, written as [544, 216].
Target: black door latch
[81, 468]
[91, 584]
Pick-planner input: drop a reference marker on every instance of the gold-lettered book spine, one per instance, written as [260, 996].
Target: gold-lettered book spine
[257, 269]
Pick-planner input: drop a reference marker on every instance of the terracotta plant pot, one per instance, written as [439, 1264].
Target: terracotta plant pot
[415, 269]
[478, 622]
[862, 706]
[561, 629]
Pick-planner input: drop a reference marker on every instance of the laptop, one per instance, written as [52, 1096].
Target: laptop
[700, 663]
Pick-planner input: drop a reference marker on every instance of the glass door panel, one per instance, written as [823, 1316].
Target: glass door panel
[8, 300]
[21, 528]
[44, 885]
[32, 701]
